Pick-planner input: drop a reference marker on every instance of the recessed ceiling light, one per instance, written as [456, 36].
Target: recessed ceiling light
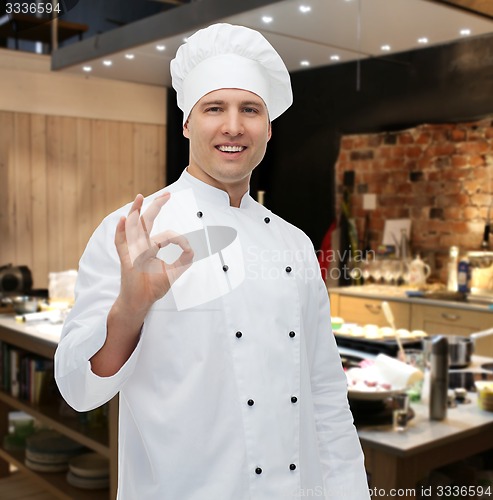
[385, 48]
[423, 40]
[305, 63]
[160, 47]
[129, 56]
[335, 57]
[267, 19]
[304, 9]
[107, 62]
[87, 68]
[465, 32]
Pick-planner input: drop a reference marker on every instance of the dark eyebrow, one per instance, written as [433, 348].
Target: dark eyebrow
[212, 103]
[218, 102]
[252, 103]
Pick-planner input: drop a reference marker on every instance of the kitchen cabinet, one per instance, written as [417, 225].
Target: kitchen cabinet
[362, 305]
[100, 440]
[454, 321]
[364, 310]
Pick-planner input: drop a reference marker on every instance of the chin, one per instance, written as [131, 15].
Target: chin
[232, 175]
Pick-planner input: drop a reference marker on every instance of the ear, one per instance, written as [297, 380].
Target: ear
[269, 133]
[186, 131]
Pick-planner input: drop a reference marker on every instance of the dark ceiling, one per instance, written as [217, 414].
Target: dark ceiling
[105, 15]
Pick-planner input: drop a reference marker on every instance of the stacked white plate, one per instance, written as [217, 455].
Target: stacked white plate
[49, 451]
[89, 471]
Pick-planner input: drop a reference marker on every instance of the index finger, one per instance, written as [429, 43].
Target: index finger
[137, 204]
[149, 216]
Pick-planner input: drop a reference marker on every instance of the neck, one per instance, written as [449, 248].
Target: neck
[235, 190]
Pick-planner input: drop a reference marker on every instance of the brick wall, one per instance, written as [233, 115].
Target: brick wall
[439, 176]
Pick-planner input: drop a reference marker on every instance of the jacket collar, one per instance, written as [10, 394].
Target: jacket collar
[210, 193]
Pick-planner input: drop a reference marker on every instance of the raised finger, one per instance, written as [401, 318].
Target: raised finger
[121, 239]
[137, 204]
[135, 236]
[133, 226]
[149, 216]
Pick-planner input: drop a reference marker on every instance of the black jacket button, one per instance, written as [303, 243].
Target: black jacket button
[250, 402]
[267, 220]
[225, 268]
[292, 334]
[292, 467]
[238, 335]
[288, 269]
[258, 470]
[294, 399]
[199, 214]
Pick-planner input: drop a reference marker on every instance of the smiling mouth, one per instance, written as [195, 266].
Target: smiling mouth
[231, 149]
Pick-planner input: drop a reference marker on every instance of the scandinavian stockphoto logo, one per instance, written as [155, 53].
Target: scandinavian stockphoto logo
[201, 262]
[29, 14]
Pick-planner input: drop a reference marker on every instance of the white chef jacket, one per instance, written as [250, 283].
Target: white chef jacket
[239, 395]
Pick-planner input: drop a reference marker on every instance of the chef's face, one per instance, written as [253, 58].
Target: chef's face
[228, 130]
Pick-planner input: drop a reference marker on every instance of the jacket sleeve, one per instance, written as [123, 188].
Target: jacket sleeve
[340, 450]
[84, 331]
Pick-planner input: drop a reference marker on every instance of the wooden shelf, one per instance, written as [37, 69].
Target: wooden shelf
[101, 440]
[55, 483]
[19, 485]
[96, 439]
[36, 29]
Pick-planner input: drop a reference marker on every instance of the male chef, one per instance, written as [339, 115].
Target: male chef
[206, 312]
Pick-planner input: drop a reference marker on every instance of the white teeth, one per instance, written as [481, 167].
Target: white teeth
[231, 149]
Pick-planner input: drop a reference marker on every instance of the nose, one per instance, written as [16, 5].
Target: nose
[233, 123]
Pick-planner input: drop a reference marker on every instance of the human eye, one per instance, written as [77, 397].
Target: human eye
[250, 110]
[213, 109]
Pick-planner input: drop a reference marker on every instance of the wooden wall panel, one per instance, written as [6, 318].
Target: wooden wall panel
[29, 86]
[55, 194]
[125, 164]
[59, 176]
[39, 197]
[69, 190]
[20, 192]
[85, 225]
[7, 242]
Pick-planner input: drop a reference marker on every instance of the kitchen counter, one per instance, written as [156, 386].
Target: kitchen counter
[398, 294]
[41, 337]
[402, 459]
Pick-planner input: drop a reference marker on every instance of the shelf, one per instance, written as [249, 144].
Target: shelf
[55, 483]
[38, 29]
[101, 440]
[19, 485]
[94, 438]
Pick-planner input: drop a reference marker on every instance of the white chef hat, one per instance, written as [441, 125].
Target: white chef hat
[226, 56]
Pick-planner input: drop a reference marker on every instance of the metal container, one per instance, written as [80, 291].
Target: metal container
[460, 349]
[24, 304]
[439, 377]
